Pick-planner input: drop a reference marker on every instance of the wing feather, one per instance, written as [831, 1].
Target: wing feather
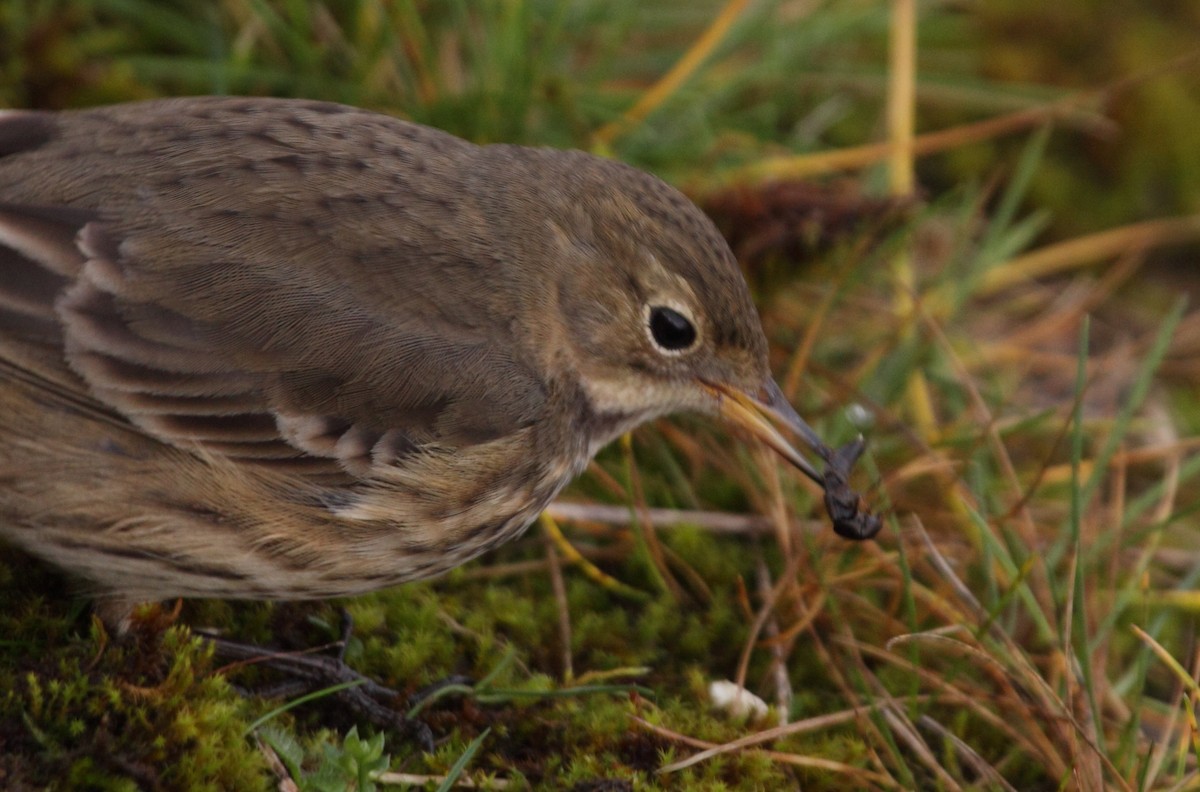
[270, 301]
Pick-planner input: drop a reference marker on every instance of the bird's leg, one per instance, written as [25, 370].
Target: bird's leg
[306, 672]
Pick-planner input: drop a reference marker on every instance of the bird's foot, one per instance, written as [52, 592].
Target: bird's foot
[308, 672]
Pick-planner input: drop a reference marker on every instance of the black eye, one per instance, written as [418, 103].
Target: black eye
[671, 330]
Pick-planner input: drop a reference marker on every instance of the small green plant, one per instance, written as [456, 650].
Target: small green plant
[351, 766]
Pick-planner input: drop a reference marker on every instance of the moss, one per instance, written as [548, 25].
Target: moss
[80, 710]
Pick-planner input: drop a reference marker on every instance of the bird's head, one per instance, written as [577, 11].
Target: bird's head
[649, 306]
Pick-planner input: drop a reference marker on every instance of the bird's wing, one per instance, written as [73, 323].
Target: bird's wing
[297, 284]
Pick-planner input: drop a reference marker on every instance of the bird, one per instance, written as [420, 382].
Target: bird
[278, 349]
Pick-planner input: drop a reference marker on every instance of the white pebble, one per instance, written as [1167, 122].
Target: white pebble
[736, 702]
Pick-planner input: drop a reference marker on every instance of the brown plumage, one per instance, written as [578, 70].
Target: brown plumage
[262, 348]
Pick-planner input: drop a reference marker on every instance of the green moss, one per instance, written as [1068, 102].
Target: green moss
[79, 709]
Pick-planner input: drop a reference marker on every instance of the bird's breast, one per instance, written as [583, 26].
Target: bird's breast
[443, 509]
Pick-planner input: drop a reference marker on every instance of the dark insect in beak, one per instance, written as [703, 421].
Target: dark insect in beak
[760, 414]
[851, 519]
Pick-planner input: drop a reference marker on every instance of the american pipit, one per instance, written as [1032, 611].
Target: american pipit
[258, 348]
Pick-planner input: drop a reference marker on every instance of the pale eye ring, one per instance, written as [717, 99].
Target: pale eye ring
[670, 330]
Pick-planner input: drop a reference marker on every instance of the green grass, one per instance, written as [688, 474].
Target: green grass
[1037, 511]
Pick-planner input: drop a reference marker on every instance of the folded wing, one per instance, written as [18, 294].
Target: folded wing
[215, 275]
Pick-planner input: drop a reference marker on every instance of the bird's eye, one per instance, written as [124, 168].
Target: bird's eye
[670, 329]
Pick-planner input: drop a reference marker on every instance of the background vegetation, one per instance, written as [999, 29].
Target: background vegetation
[1000, 305]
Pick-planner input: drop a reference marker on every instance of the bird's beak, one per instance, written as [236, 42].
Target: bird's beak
[760, 413]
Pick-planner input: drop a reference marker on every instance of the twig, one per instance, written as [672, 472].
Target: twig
[564, 612]
[412, 779]
[811, 724]
[715, 522]
[783, 685]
